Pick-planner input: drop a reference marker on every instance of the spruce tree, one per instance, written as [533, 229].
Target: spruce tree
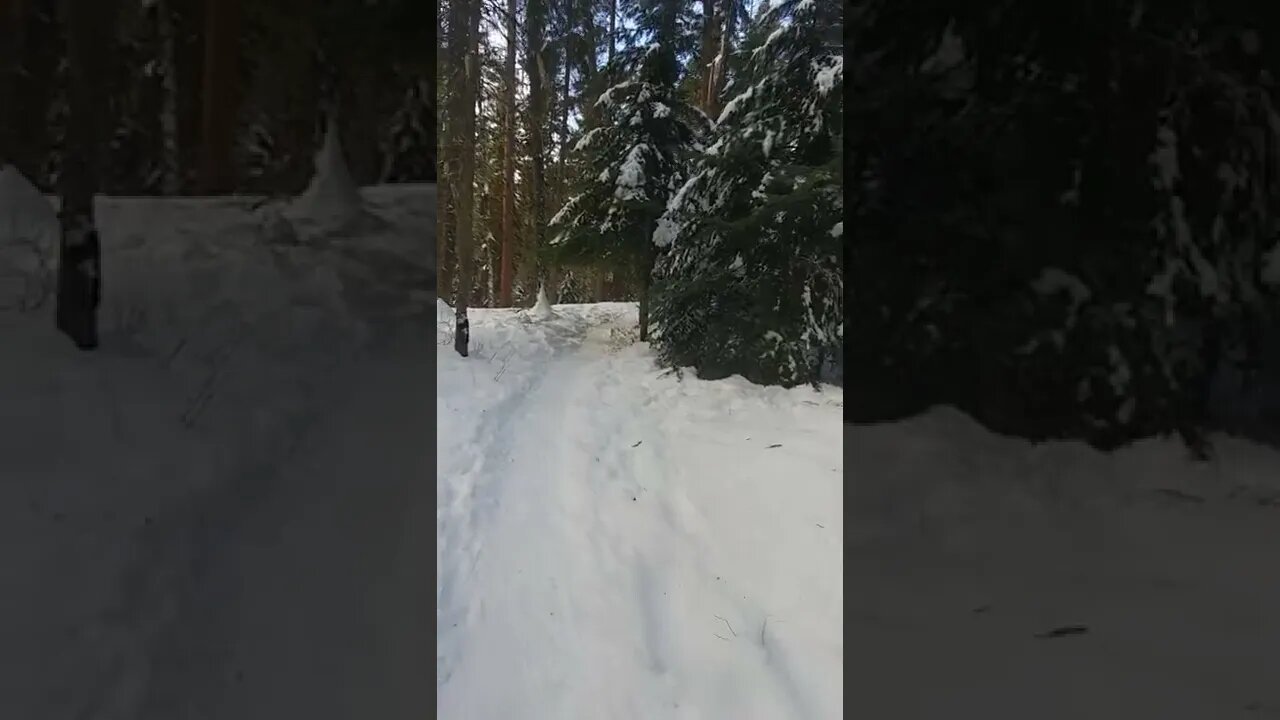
[632, 159]
[753, 281]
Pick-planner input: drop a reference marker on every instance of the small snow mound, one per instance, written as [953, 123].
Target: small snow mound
[332, 199]
[29, 233]
[541, 310]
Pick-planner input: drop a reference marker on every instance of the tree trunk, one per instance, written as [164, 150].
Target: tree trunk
[536, 69]
[220, 111]
[508, 231]
[445, 221]
[613, 28]
[464, 122]
[170, 164]
[587, 68]
[646, 282]
[644, 306]
[89, 40]
[720, 64]
[568, 91]
[11, 56]
[189, 60]
[708, 51]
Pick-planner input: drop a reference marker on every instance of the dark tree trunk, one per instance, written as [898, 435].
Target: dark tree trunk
[11, 56]
[188, 60]
[646, 283]
[89, 40]
[463, 122]
[508, 232]
[221, 99]
[539, 84]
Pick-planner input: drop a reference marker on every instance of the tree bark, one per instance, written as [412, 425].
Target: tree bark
[613, 28]
[708, 51]
[508, 232]
[89, 41]
[539, 82]
[170, 163]
[720, 64]
[646, 282]
[467, 13]
[11, 56]
[221, 101]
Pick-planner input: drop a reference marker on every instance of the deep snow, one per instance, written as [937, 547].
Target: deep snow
[222, 512]
[614, 542]
[964, 547]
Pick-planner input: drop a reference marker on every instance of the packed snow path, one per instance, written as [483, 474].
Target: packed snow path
[316, 606]
[614, 543]
[223, 512]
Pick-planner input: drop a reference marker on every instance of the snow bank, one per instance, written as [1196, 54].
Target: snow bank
[970, 550]
[126, 471]
[29, 232]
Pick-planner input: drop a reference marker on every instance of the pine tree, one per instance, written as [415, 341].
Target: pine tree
[753, 283]
[632, 162]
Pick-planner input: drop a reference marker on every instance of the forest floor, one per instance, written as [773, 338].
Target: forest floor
[616, 542]
[221, 513]
[994, 578]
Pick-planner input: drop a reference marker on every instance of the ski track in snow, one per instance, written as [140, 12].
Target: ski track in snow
[578, 578]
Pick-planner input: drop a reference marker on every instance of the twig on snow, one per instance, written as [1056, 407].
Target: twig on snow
[1063, 631]
[726, 622]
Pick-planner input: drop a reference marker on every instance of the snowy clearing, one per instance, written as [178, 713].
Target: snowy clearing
[993, 578]
[614, 542]
[221, 513]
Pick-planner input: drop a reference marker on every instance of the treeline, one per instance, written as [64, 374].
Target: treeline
[1064, 215]
[217, 96]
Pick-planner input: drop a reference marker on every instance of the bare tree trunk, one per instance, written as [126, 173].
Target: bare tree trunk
[597, 286]
[89, 40]
[221, 70]
[189, 59]
[720, 63]
[613, 28]
[568, 92]
[712, 25]
[445, 154]
[467, 12]
[11, 54]
[646, 282]
[170, 172]
[539, 83]
[508, 232]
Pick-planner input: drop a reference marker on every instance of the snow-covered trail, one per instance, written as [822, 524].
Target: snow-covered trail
[316, 606]
[222, 513]
[589, 569]
[967, 548]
